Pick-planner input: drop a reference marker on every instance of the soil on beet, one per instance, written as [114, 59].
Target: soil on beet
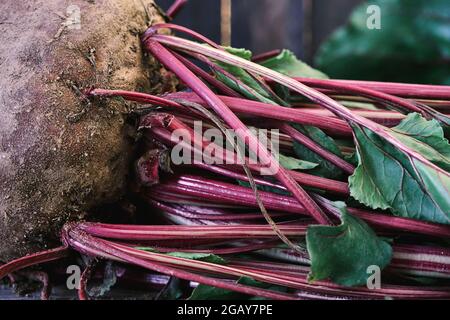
[60, 154]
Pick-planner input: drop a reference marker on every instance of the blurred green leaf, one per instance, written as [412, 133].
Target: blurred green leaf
[325, 168]
[413, 44]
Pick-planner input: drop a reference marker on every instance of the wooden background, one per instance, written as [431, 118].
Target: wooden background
[262, 25]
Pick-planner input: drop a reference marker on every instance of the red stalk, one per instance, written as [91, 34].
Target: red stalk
[218, 216]
[432, 92]
[381, 97]
[269, 265]
[290, 276]
[165, 57]
[392, 118]
[134, 96]
[292, 84]
[424, 268]
[98, 247]
[403, 224]
[302, 178]
[172, 232]
[33, 259]
[163, 262]
[154, 28]
[222, 251]
[317, 148]
[175, 8]
[422, 260]
[248, 107]
[85, 276]
[389, 221]
[236, 195]
[227, 74]
[400, 292]
[260, 109]
[266, 55]
[232, 194]
[206, 76]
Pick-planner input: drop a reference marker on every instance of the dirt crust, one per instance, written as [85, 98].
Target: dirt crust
[61, 155]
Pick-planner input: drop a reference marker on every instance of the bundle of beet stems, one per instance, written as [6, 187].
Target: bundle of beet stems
[360, 184]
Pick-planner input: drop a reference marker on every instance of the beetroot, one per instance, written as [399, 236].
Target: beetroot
[61, 155]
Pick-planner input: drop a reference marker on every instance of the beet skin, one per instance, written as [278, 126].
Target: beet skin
[61, 155]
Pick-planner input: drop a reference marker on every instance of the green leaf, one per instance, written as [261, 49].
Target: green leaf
[413, 44]
[203, 292]
[358, 105]
[287, 63]
[352, 158]
[252, 93]
[324, 168]
[240, 52]
[343, 253]
[387, 178]
[292, 163]
[255, 91]
[428, 139]
[286, 162]
[206, 257]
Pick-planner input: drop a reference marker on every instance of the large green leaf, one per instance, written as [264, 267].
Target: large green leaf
[287, 63]
[413, 44]
[343, 253]
[388, 178]
[324, 168]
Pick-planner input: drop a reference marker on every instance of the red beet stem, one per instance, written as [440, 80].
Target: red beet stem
[33, 259]
[317, 148]
[433, 92]
[175, 8]
[85, 243]
[168, 59]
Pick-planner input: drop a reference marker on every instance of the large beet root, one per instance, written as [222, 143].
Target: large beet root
[59, 154]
